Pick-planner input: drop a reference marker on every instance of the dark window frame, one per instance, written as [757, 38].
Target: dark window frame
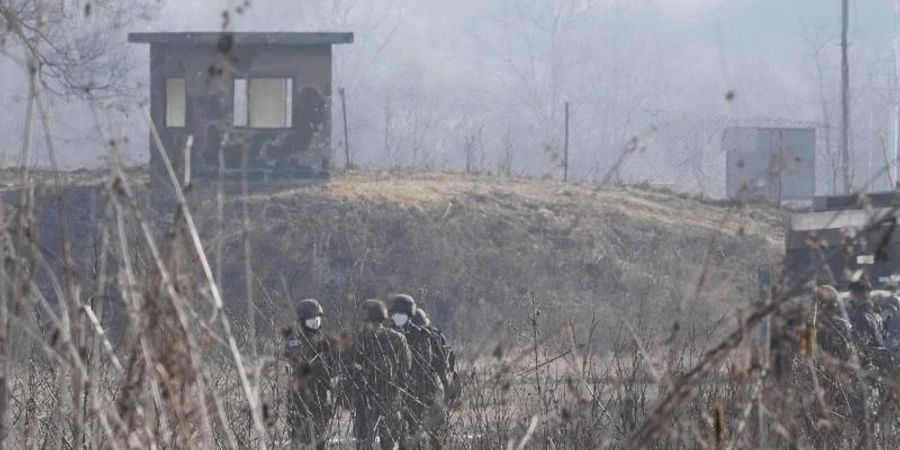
[289, 101]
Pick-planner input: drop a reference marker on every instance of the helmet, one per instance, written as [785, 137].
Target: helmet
[420, 318]
[373, 310]
[308, 309]
[860, 286]
[402, 303]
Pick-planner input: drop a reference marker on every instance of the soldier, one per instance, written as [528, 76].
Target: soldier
[833, 326]
[443, 365]
[889, 308]
[865, 321]
[378, 369]
[887, 305]
[444, 359]
[867, 334]
[424, 399]
[311, 401]
[848, 325]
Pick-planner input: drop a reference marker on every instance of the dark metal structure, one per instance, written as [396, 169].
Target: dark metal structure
[774, 164]
[844, 234]
[253, 102]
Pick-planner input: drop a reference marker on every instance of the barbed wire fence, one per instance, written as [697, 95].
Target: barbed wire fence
[443, 130]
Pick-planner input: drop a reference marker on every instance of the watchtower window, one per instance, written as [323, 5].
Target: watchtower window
[263, 102]
[176, 103]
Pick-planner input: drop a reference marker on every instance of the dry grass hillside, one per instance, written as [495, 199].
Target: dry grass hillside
[477, 251]
[560, 299]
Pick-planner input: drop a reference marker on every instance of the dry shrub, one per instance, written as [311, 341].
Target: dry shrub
[548, 361]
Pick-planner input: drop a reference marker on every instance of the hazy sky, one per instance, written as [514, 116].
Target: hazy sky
[697, 49]
[721, 40]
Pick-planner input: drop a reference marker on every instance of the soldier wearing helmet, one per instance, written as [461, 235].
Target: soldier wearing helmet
[311, 401]
[834, 329]
[865, 321]
[444, 359]
[425, 392]
[442, 365]
[421, 318]
[379, 365]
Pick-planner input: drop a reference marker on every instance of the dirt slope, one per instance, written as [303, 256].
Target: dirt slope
[477, 250]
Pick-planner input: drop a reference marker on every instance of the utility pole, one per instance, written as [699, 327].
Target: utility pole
[895, 114]
[845, 97]
[566, 147]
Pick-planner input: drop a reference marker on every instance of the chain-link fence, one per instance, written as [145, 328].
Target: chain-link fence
[476, 132]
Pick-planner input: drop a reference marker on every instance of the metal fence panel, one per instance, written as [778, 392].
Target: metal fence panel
[771, 163]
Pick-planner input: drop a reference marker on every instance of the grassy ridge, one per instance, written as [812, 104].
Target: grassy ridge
[473, 249]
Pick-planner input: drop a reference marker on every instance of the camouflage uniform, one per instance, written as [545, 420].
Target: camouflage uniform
[443, 361]
[834, 330]
[888, 305]
[889, 309]
[866, 334]
[838, 338]
[311, 401]
[866, 324]
[378, 366]
[442, 365]
[423, 403]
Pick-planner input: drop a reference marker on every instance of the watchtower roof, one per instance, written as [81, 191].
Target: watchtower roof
[242, 38]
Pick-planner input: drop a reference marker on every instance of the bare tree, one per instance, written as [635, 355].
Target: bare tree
[505, 167]
[360, 67]
[75, 44]
[817, 45]
[472, 147]
[550, 52]
[537, 54]
[417, 126]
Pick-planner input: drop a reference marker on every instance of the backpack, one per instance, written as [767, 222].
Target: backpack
[444, 363]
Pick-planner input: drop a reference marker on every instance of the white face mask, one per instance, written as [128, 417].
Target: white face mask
[400, 319]
[313, 324]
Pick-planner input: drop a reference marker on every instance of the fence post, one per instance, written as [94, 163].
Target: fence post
[763, 346]
[566, 147]
[349, 164]
[764, 338]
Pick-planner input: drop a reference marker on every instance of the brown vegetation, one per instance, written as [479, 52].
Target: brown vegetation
[473, 249]
[584, 316]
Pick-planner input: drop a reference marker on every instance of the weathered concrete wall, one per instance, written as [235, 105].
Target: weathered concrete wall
[300, 152]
